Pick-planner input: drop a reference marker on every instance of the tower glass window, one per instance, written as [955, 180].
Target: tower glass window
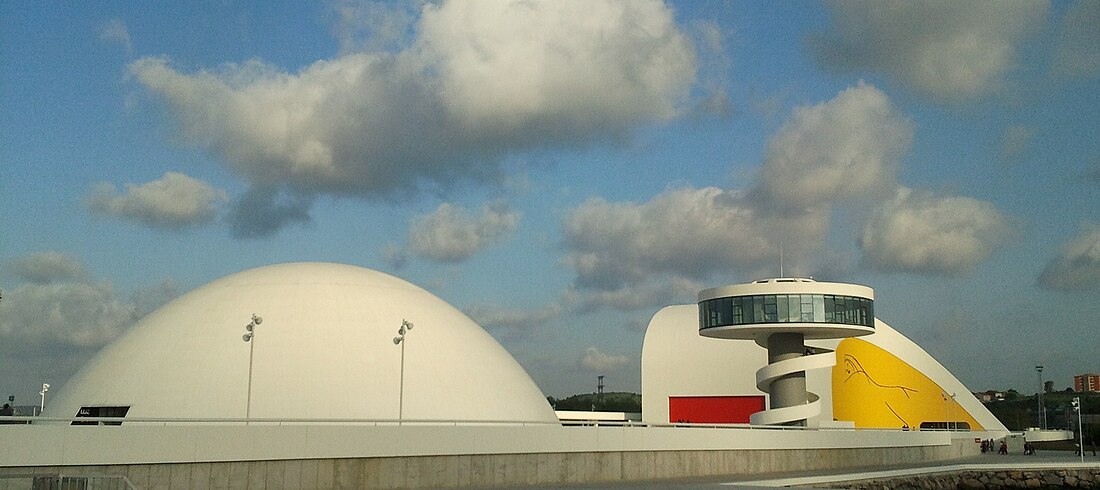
[786, 308]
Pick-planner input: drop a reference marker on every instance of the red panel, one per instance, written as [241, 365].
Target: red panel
[713, 409]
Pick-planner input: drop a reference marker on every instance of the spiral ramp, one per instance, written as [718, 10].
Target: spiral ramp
[766, 375]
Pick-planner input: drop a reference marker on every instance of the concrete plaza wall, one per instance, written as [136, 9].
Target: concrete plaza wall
[445, 456]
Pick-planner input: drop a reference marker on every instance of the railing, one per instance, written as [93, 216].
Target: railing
[165, 421]
[114, 421]
[67, 482]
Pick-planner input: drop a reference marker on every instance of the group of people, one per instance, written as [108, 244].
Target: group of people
[7, 411]
[990, 445]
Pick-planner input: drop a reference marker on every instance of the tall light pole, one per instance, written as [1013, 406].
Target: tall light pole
[45, 388]
[249, 337]
[1042, 414]
[400, 340]
[946, 411]
[1080, 428]
[951, 414]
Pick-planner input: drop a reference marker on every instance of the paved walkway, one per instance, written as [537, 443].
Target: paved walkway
[1042, 460]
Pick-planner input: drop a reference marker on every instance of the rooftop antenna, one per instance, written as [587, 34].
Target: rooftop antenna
[781, 259]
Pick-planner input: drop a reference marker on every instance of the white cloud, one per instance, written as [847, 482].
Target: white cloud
[849, 146]
[115, 31]
[919, 232]
[54, 322]
[631, 297]
[451, 234]
[1077, 266]
[69, 313]
[600, 362]
[516, 67]
[173, 201]
[480, 80]
[843, 149]
[495, 316]
[686, 232]
[47, 267]
[951, 51]
[1078, 48]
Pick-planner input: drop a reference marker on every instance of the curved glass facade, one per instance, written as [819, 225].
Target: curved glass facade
[786, 308]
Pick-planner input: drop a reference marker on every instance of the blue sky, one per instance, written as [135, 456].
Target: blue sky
[559, 170]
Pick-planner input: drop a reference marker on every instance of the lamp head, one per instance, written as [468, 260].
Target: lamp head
[257, 320]
[397, 340]
[247, 337]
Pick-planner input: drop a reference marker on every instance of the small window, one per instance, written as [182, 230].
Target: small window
[119, 412]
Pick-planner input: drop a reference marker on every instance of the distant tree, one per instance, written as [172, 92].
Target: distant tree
[1048, 387]
[611, 402]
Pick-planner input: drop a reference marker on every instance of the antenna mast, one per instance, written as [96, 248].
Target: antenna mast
[781, 258]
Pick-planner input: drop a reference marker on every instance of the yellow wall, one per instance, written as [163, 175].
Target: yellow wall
[875, 389]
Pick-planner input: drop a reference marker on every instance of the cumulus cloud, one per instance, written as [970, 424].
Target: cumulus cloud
[452, 234]
[264, 210]
[632, 297]
[919, 232]
[1078, 48]
[846, 147]
[57, 317]
[46, 267]
[689, 232]
[495, 316]
[173, 201]
[1077, 267]
[115, 31]
[599, 361]
[480, 80]
[59, 304]
[951, 51]
[72, 313]
[839, 150]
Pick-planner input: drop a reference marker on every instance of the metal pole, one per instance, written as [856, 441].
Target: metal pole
[248, 403]
[1080, 429]
[1039, 396]
[946, 414]
[401, 392]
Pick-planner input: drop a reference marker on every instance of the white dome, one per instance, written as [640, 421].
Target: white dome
[325, 350]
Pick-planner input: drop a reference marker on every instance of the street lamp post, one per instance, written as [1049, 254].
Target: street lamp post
[1080, 428]
[250, 337]
[1042, 412]
[951, 413]
[400, 340]
[946, 414]
[42, 405]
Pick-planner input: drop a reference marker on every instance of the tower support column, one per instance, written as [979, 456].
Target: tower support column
[790, 389]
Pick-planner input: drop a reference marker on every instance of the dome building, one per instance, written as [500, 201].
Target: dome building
[323, 350]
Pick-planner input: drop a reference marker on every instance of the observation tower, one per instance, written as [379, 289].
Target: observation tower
[780, 314]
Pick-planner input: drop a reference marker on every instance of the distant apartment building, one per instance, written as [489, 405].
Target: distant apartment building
[1086, 382]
